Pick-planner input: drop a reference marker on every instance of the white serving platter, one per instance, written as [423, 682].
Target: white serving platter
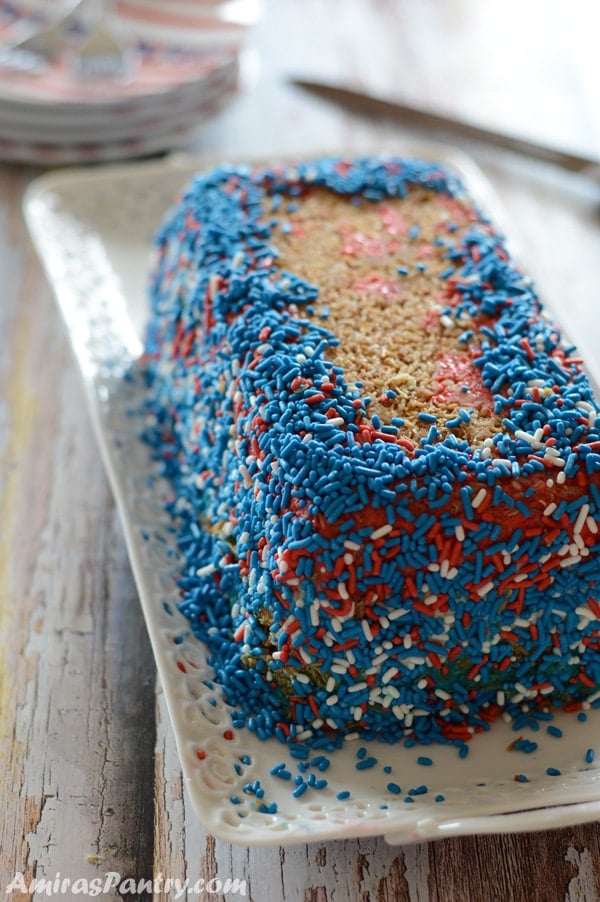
[93, 231]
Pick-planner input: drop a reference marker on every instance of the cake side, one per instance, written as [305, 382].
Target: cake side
[410, 565]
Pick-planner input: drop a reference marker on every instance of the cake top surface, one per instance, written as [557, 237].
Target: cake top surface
[481, 380]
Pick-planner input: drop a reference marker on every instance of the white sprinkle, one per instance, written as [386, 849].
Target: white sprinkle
[382, 531]
[379, 660]
[500, 698]
[441, 693]
[550, 509]
[339, 668]
[389, 675]
[459, 532]
[592, 525]
[533, 440]
[581, 518]
[351, 546]
[551, 451]
[367, 631]
[562, 476]
[358, 687]
[484, 590]
[302, 678]
[569, 561]
[206, 571]
[330, 684]
[348, 558]
[358, 713]
[398, 612]
[332, 700]
[343, 591]
[479, 497]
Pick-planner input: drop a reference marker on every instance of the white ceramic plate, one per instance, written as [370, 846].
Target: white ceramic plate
[94, 233]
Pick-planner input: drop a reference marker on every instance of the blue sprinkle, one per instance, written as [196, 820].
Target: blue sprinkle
[424, 761]
[553, 772]
[366, 764]
[344, 794]
[393, 787]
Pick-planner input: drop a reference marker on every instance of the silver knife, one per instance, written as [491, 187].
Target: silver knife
[383, 108]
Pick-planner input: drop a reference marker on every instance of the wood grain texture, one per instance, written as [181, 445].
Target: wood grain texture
[89, 777]
[77, 673]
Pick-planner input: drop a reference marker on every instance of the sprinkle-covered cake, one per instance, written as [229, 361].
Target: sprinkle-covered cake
[385, 462]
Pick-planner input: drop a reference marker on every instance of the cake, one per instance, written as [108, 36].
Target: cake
[385, 460]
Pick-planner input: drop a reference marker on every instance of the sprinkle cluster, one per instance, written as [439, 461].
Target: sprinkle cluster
[348, 581]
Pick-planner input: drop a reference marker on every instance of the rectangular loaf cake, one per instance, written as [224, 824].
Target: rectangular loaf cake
[385, 462]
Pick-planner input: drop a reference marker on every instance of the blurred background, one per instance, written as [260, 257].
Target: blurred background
[209, 74]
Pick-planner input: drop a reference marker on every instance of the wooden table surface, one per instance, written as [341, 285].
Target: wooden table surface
[89, 777]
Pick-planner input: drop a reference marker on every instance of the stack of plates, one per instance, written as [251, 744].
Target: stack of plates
[184, 66]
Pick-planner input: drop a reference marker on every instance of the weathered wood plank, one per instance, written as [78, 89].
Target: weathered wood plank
[77, 676]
